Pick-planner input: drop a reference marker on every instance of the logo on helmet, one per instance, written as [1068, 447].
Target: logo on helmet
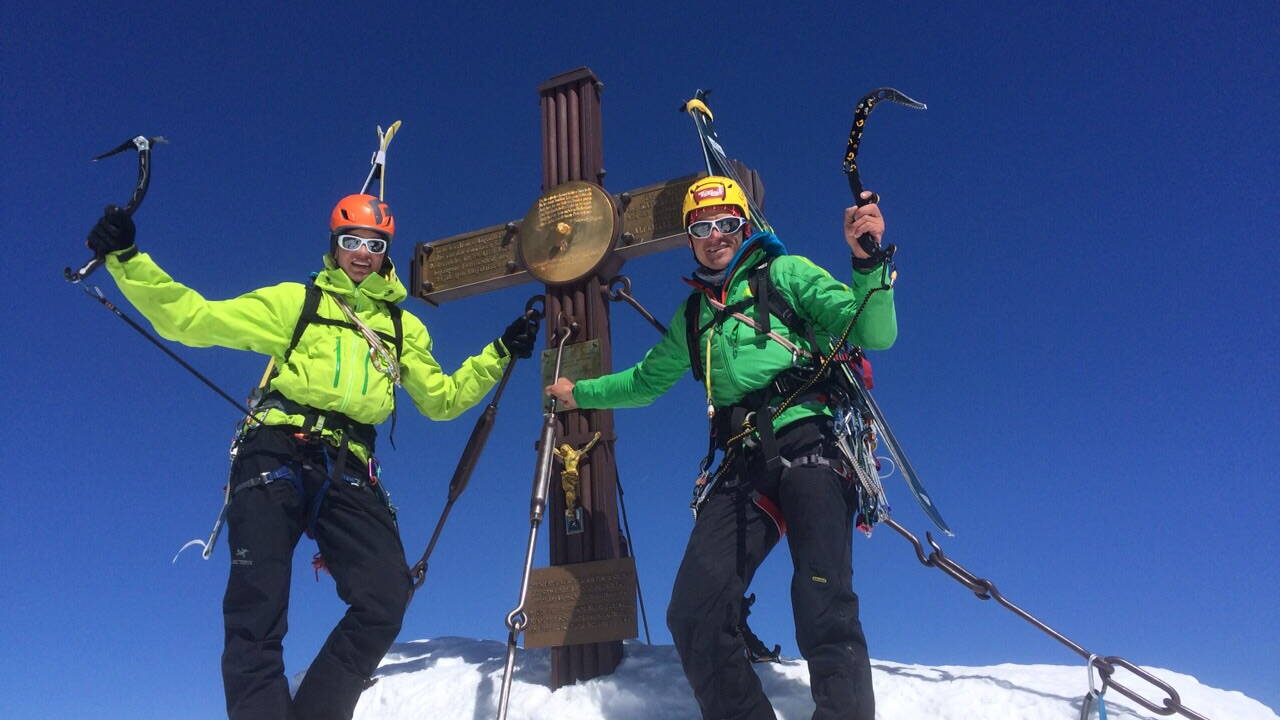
[709, 192]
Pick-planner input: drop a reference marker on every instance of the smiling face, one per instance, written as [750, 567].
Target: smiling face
[360, 263]
[717, 249]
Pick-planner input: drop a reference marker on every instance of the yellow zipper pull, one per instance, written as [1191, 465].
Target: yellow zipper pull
[706, 373]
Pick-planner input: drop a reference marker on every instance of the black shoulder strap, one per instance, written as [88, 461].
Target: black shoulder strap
[770, 302]
[398, 323]
[309, 314]
[693, 314]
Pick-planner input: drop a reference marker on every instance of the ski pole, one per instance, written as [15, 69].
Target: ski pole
[143, 146]
[860, 113]
[471, 453]
[517, 621]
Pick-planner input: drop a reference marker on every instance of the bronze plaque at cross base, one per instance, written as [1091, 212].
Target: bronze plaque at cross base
[579, 603]
[567, 233]
[466, 264]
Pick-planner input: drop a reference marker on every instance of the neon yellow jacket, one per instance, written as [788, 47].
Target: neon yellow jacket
[330, 368]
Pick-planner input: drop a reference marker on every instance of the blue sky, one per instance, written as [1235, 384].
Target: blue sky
[1084, 374]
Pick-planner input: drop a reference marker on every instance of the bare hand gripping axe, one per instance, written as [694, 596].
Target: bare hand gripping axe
[860, 113]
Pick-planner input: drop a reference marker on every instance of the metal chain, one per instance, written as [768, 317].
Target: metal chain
[986, 590]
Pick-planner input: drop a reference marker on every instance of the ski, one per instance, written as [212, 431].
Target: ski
[896, 453]
[713, 152]
[378, 162]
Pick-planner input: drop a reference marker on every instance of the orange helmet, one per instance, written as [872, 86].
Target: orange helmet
[362, 211]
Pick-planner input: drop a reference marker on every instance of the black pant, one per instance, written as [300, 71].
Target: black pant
[357, 535]
[730, 539]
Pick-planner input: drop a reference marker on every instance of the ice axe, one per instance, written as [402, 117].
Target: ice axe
[143, 146]
[471, 452]
[860, 113]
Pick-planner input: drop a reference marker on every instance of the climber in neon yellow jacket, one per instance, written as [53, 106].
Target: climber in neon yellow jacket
[339, 347]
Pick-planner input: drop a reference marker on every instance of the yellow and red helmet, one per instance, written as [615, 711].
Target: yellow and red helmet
[714, 191]
[362, 211]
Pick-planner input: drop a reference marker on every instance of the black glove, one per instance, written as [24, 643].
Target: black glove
[520, 336]
[113, 232]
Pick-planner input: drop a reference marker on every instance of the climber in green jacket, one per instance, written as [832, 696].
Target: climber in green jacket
[305, 460]
[788, 477]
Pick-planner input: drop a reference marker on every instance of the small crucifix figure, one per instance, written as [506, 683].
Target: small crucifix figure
[569, 483]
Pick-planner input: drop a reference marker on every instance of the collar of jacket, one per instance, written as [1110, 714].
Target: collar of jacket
[763, 242]
[386, 288]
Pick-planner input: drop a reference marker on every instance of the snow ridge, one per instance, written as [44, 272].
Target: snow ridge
[460, 678]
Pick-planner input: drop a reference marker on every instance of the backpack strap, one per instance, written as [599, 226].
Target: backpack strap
[770, 302]
[309, 314]
[692, 314]
[397, 322]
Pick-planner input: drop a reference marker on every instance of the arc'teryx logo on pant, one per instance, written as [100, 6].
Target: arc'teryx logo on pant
[241, 557]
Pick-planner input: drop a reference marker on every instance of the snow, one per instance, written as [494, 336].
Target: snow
[451, 677]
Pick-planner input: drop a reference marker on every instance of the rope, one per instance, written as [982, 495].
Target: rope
[383, 360]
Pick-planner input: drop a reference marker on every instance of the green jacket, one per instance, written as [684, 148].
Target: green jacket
[330, 368]
[741, 358]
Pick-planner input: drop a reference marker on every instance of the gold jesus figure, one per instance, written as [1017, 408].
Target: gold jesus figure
[569, 476]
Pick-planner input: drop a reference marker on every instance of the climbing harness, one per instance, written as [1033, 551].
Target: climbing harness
[314, 422]
[754, 414]
[517, 621]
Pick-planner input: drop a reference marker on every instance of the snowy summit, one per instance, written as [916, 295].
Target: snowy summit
[460, 678]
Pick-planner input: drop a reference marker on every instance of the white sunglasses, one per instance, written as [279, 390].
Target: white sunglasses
[726, 226]
[377, 246]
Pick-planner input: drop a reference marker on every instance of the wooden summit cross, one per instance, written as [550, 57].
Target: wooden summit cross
[577, 267]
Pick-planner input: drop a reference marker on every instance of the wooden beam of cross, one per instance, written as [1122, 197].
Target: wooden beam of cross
[588, 553]
[642, 221]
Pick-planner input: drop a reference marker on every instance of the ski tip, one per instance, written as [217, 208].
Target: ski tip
[391, 132]
[697, 104]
